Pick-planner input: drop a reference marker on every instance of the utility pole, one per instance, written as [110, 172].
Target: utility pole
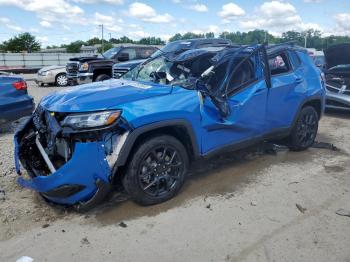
[102, 41]
[110, 36]
[305, 40]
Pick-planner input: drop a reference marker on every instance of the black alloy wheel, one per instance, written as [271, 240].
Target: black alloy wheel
[305, 129]
[157, 170]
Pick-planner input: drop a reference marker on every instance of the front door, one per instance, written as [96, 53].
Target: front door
[247, 94]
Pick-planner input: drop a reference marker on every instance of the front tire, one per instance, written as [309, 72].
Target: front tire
[156, 171]
[61, 80]
[305, 129]
[102, 77]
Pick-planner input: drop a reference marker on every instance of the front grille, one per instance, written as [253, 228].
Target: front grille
[338, 88]
[72, 68]
[119, 71]
[336, 104]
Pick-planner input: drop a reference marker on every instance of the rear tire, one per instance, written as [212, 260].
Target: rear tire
[305, 129]
[102, 77]
[156, 171]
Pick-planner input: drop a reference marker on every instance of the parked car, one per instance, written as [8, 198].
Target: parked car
[81, 70]
[52, 75]
[179, 107]
[14, 99]
[337, 75]
[120, 69]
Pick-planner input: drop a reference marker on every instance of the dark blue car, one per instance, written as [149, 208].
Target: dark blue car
[14, 99]
[175, 108]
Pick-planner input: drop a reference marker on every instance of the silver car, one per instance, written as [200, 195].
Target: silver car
[52, 75]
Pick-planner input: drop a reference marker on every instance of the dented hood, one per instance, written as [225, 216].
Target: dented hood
[337, 55]
[101, 95]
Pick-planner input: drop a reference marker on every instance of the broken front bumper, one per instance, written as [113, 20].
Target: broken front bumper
[82, 181]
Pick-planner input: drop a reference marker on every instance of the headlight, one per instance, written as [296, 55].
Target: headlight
[89, 120]
[45, 73]
[84, 67]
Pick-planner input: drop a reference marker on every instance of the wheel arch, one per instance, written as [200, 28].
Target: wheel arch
[100, 71]
[316, 103]
[180, 129]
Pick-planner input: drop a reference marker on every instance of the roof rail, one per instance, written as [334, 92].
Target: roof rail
[291, 43]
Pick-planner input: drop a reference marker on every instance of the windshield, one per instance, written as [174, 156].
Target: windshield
[109, 54]
[169, 70]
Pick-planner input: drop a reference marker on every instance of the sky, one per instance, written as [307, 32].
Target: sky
[63, 21]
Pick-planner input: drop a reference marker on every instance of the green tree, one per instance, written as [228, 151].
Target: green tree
[93, 41]
[175, 37]
[22, 43]
[210, 35]
[75, 46]
[106, 46]
[151, 41]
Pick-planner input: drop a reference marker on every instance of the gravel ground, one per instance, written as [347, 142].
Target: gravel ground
[241, 206]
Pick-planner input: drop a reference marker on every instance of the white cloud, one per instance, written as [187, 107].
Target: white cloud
[199, 8]
[343, 23]
[50, 10]
[146, 13]
[43, 39]
[138, 34]
[4, 20]
[230, 12]
[66, 27]
[277, 17]
[312, 1]
[113, 2]
[45, 24]
[110, 22]
[9, 24]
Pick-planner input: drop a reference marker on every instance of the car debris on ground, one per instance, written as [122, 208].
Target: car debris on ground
[300, 208]
[343, 212]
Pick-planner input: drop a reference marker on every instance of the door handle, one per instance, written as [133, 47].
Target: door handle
[299, 80]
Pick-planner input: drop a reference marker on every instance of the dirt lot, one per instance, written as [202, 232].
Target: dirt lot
[242, 206]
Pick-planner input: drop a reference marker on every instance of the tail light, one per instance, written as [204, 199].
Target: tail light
[20, 85]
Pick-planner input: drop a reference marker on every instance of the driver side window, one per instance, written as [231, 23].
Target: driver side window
[243, 76]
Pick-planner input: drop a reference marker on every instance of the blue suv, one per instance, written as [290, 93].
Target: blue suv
[146, 128]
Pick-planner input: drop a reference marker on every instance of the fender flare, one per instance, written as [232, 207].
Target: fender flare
[136, 133]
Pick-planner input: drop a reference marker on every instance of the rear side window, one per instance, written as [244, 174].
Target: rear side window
[143, 53]
[279, 64]
[131, 52]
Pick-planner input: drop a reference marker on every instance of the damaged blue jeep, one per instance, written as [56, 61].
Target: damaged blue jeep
[146, 128]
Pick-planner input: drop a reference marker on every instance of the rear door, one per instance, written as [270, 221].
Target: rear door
[287, 89]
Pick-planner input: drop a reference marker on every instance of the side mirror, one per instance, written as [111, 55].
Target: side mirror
[123, 57]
